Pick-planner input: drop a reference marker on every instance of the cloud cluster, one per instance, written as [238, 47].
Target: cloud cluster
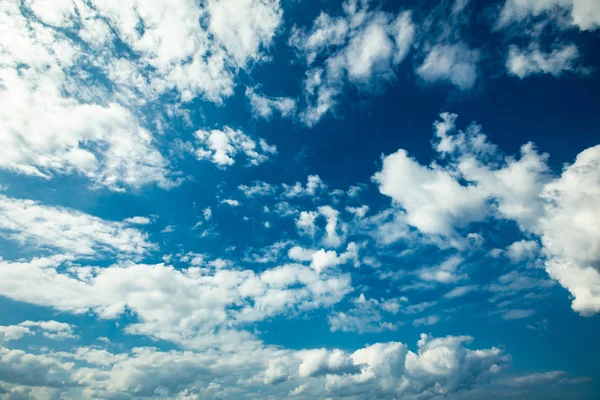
[472, 181]
[383, 370]
[33, 224]
[361, 47]
[78, 76]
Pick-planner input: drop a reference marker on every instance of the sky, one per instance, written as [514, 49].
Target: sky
[273, 199]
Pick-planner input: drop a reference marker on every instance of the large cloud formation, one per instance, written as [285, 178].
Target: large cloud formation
[473, 180]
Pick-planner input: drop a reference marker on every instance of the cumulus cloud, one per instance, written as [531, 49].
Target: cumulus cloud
[57, 121]
[456, 64]
[560, 211]
[185, 306]
[569, 230]
[363, 48]
[522, 250]
[33, 224]
[314, 185]
[51, 329]
[583, 14]
[523, 63]
[222, 146]
[264, 106]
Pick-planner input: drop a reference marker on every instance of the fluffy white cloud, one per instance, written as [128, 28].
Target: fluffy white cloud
[187, 306]
[522, 250]
[244, 26]
[51, 329]
[561, 211]
[306, 222]
[454, 63]
[436, 201]
[221, 146]
[523, 63]
[76, 75]
[387, 369]
[263, 106]
[33, 224]
[314, 185]
[583, 14]
[570, 230]
[231, 202]
[364, 47]
[137, 220]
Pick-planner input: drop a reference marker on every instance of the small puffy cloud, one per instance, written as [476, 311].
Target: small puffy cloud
[332, 236]
[257, 188]
[298, 253]
[264, 107]
[456, 64]
[51, 329]
[222, 146]
[522, 250]
[306, 222]
[231, 202]
[314, 185]
[137, 220]
[532, 61]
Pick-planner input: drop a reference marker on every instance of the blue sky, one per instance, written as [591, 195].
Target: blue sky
[272, 199]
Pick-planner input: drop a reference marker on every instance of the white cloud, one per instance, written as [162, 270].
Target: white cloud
[522, 250]
[426, 321]
[531, 61]
[332, 236]
[51, 329]
[443, 273]
[456, 64]
[435, 201]
[314, 185]
[231, 202]
[56, 120]
[367, 315]
[258, 188]
[193, 306]
[244, 26]
[137, 220]
[561, 211]
[263, 106]
[583, 14]
[221, 146]
[33, 224]
[570, 230]
[364, 48]
[306, 223]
